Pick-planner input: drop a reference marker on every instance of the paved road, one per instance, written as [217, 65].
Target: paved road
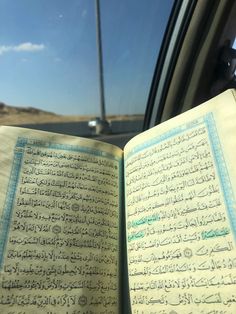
[122, 131]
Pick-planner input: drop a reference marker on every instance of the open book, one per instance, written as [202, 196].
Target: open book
[86, 226]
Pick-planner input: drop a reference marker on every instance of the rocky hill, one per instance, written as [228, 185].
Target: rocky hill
[10, 115]
[8, 110]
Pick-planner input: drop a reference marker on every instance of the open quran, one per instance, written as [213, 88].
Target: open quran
[88, 228]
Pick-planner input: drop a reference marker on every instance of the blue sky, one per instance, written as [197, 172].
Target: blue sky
[48, 56]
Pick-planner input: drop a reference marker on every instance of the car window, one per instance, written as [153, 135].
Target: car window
[49, 62]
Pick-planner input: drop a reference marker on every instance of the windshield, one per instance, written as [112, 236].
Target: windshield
[49, 61]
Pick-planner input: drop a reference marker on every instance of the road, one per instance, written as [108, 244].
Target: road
[122, 131]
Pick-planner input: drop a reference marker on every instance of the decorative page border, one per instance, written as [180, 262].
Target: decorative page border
[222, 170]
[19, 150]
[10, 199]
[226, 186]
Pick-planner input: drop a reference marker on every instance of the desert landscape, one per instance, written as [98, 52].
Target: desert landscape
[76, 125]
[10, 115]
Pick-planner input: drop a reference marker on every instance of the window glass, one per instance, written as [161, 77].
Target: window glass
[48, 60]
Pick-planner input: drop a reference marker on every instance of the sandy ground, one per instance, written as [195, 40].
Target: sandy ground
[11, 115]
[37, 118]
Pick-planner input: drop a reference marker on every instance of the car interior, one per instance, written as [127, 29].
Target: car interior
[196, 62]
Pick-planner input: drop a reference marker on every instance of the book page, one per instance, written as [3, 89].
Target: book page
[180, 181]
[59, 233]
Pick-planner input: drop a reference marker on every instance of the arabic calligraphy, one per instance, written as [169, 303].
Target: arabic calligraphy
[181, 251]
[62, 250]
